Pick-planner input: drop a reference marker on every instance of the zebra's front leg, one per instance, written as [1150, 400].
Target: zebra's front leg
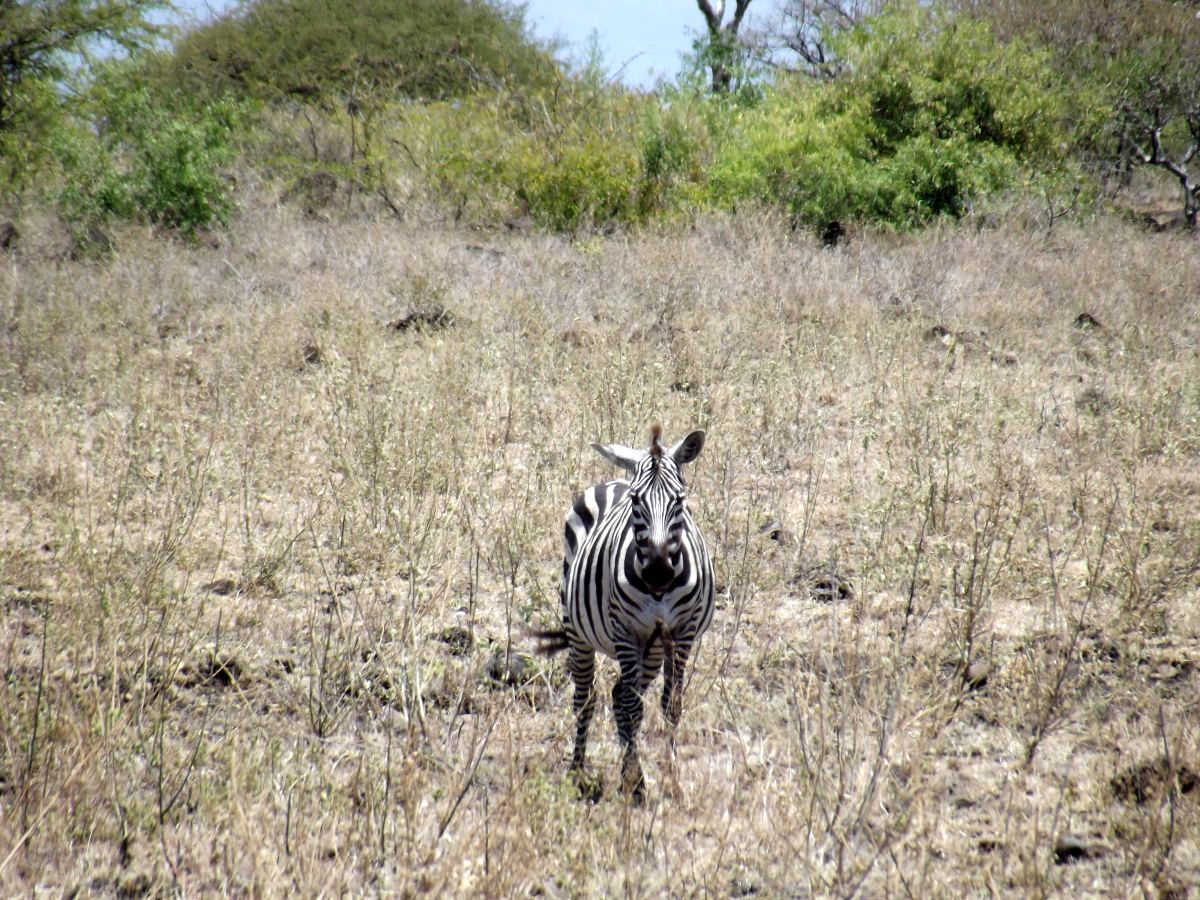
[582, 665]
[627, 710]
[674, 664]
[675, 658]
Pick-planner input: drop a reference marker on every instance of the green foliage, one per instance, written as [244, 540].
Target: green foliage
[930, 114]
[575, 158]
[925, 73]
[37, 111]
[148, 160]
[1123, 65]
[791, 151]
[459, 149]
[585, 171]
[312, 49]
[42, 44]
[587, 181]
[674, 146]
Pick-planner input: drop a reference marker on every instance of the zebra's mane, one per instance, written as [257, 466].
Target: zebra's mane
[655, 435]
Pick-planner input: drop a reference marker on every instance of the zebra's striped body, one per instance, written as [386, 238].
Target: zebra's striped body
[637, 586]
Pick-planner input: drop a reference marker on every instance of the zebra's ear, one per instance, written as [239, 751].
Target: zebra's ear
[687, 449]
[619, 455]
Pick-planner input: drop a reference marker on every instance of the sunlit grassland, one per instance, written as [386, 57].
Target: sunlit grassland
[259, 552]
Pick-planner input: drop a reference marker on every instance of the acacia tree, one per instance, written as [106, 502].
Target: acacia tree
[319, 50]
[38, 37]
[1158, 110]
[1134, 68]
[723, 47]
[41, 42]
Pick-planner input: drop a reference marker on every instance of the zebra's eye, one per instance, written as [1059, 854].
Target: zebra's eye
[634, 496]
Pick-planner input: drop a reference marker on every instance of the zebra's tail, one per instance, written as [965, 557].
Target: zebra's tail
[550, 641]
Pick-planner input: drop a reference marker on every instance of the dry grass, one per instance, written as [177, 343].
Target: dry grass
[258, 552]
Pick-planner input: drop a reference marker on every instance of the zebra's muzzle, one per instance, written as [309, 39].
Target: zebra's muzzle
[657, 573]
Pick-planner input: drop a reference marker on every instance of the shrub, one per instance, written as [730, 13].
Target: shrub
[790, 151]
[675, 151]
[929, 113]
[583, 166]
[147, 159]
[26, 140]
[588, 181]
[923, 72]
[575, 158]
[459, 149]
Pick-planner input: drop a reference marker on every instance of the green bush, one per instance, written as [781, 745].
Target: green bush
[591, 181]
[930, 113]
[583, 167]
[791, 151]
[922, 71]
[26, 139]
[675, 151]
[314, 50]
[458, 150]
[575, 158]
[139, 157]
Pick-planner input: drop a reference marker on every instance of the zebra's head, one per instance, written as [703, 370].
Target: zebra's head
[658, 505]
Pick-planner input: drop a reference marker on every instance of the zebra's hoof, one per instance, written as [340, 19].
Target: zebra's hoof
[638, 796]
[633, 785]
[637, 793]
[589, 787]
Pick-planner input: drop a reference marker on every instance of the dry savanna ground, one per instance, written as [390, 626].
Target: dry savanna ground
[273, 533]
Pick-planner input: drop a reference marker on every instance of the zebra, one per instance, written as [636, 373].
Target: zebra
[637, 586]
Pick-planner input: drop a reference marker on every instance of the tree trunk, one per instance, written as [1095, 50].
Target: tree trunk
[1157, 155]
[722, 40]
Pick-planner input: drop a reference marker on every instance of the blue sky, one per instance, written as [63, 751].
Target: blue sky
[645, 37]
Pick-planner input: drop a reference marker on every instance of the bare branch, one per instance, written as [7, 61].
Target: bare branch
[739, 11]
[712, 16]
[1141, 154]
[1156, 142]
[1158, 155]
[802, 29]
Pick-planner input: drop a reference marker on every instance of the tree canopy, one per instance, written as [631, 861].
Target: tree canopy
[426, 49]
[37, 36]
[41, 42]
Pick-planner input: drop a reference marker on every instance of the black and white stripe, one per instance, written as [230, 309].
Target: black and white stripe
[637, 586]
